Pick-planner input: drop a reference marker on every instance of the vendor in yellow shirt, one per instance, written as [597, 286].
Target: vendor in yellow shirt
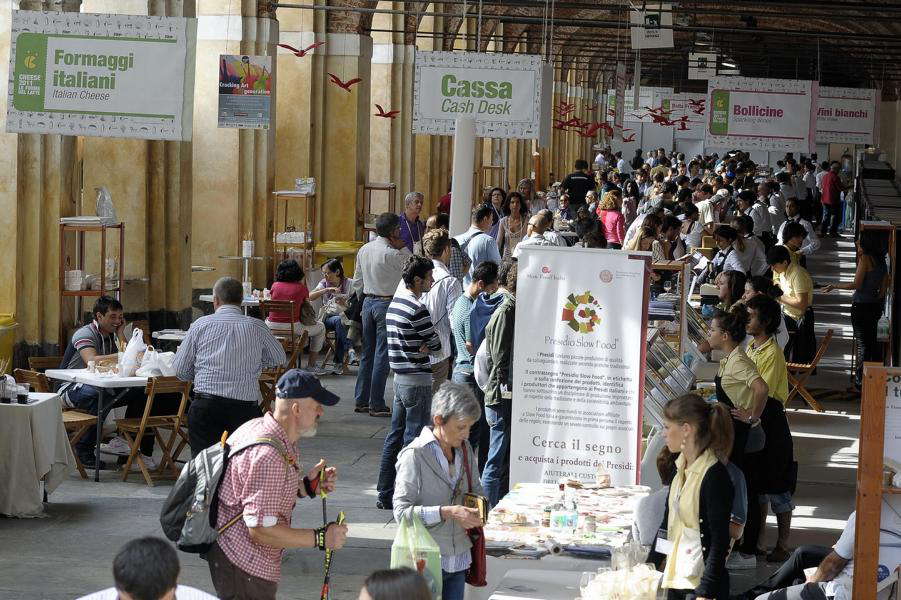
[796, 300]
[776, 471]
[696, 519]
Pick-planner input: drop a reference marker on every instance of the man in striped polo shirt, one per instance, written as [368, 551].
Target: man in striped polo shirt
[411, 336]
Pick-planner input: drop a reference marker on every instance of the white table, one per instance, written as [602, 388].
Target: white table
[33, 447]
[246, 302]
[538, 584]
[103, 384]
[176, 337]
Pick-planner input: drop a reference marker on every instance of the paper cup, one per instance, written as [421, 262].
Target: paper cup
[247, 248]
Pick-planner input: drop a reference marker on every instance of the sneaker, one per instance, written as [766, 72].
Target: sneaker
[386, 505]
[318, 372]
[117, 446]
[151, 462]
[353, 359]
[739, 562]
[382, 412]
[88, 463]
[361, 409]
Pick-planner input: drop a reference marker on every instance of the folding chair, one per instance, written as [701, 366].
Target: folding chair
[132, 430]
[267, 392]
[330, 350]
[39, 382]
[42, 363]
[799, 373]
[284, 309]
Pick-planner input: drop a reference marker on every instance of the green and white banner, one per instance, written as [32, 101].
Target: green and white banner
[101, 75]
[506, 94]
[761, 114]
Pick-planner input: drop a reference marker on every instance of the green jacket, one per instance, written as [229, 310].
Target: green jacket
[499, 337]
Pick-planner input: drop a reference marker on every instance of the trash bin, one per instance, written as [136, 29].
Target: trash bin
[346, 251]
[7, 340]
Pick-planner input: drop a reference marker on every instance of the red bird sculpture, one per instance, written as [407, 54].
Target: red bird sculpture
[387, 115]
[304, 52]
[697, 106]
[344, 85]
[631, 138]
[565, 109]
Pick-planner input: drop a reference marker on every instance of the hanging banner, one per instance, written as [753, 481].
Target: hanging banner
[101, 75]
[504, 93]
[847, 115]
[648, 23]
[701, 65]
[656, 98]
[578, 365]
[761, 114]
[245, 91]
[618, 101]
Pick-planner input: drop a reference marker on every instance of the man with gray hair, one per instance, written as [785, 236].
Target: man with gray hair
[224, 354]
[411, 226]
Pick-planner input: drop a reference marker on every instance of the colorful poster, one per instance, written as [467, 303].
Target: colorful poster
[652, 25]
[701, 65]
[101, 75]
[847, 115]
[578, 365]
[502, 92]
[245, 91]
[761, 114]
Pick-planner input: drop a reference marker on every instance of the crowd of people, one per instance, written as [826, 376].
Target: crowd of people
[438, 311]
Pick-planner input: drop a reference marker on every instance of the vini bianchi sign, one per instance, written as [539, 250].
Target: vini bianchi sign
[502, 92]
[102, 75]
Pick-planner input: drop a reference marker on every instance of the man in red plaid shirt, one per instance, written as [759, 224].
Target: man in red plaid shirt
[262, 484]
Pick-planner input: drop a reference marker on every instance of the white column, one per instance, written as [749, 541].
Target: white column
[461, 188]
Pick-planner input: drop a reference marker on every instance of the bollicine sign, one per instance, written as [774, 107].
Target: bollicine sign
[761, 114]
[101, 75]
[502, 92]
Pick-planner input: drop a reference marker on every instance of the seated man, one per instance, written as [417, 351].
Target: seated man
[100, 341]
[147, 569]
[834, 569]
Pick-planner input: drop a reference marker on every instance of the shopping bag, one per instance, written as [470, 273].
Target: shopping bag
[156, 364]
[129, 361]
[415, 547]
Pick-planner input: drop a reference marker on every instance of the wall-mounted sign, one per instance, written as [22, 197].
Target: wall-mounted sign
[701, 65]
[652, 25]
[245, 91]
[761, 114]
[648, 98]
[847, 115]
[504, 93]
[101, 75]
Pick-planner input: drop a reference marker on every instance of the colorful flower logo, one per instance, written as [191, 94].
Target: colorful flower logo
[581, 312]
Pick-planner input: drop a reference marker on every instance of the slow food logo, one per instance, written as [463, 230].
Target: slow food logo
[581, 313]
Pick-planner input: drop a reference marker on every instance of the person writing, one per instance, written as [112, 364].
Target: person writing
[433, 473]
[334, 289]
[697, 516]
[870, 284]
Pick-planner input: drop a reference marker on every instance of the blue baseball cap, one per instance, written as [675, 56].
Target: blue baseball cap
[301, 384]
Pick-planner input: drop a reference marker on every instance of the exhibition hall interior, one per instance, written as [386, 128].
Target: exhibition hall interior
[465, 300]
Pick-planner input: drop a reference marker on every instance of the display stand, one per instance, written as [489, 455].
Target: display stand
[880, 438]
[80, 230]
[676, 336]
[365, 214]
[291, 236]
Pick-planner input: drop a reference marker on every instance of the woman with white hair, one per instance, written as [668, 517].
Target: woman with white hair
[434, 472]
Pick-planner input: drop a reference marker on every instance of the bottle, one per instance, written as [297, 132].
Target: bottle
[546, 516]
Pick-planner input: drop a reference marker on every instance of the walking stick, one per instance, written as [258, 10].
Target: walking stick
[328, 560]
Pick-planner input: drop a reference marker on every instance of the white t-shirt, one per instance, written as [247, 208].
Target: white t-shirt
[182, 592]
[889, 553]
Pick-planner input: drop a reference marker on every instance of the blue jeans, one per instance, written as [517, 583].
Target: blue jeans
[334, 323]
[86, 398]
[373, 373]
[412, 408]
[453, 585]
[478, 434]
[496, 476]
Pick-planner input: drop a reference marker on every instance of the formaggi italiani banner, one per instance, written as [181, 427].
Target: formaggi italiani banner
[578, 365]
[761, 114]
[101, 75]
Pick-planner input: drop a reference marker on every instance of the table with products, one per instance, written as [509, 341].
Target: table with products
[35, 450]
[105, 383]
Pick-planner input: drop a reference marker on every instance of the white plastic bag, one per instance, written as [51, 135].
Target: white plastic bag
[104, 206]
[482, 366]
[156, 364]
[128, 364]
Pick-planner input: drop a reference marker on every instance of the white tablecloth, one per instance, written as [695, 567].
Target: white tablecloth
[33, 446]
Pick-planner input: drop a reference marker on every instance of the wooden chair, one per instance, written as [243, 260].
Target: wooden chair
[39, 382]
[132, 430]
[799, 373]
[284, 309]
[267, 392]
[78, 424]
[330, 350]
[42, 363]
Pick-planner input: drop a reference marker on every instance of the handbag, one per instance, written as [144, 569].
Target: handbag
[477, 573]
[307, 314]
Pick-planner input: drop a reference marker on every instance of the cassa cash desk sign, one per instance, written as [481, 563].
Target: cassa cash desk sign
[501, 92]
[107, 75]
